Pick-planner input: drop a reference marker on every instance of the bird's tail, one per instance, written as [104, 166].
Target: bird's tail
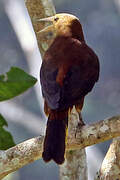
[54, 143]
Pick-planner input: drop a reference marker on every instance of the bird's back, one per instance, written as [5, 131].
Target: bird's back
[69, 71]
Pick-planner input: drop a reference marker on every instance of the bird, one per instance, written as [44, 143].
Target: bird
[69, 70]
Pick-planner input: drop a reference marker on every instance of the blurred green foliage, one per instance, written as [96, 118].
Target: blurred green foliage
[6, 139]
[13, 83]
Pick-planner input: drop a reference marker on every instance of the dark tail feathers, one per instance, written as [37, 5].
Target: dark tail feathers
[54, 143]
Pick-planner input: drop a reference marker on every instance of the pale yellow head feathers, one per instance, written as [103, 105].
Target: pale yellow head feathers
[60, 24]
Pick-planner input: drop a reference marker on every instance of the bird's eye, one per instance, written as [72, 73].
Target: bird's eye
[56, 19]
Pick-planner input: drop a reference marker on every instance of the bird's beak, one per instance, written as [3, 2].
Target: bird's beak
[49, 30]
[48, 19]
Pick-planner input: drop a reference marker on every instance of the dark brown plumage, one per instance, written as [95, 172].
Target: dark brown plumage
[68, 73]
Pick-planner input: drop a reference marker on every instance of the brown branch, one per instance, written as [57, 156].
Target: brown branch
[30, 150]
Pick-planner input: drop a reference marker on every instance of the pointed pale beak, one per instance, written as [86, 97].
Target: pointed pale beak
[49, 31]
[48, 19]
[49, 27]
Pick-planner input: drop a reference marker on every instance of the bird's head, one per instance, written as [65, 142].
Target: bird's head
[62, 25]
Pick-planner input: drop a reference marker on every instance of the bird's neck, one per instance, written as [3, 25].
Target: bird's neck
[76, 31]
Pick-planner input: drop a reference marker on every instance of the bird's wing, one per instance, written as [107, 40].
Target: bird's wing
[68, 73]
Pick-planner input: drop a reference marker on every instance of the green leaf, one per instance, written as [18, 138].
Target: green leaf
[15, 82]
[6, 139]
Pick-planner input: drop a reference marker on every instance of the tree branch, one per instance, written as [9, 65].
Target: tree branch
[110, 168]
[40, 9]
[95, 133]
[75, 165]
[31, 150]
[20, 155]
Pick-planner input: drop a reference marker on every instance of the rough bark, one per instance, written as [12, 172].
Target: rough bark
[30, 150]
[110, 169]
[20, 155]
[39, 9]
[75, 165]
